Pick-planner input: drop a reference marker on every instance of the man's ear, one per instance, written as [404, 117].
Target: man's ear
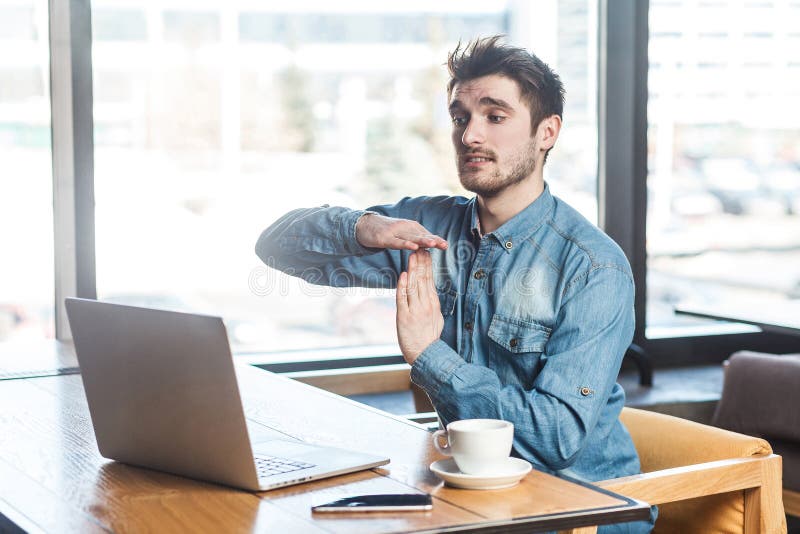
[547, 132]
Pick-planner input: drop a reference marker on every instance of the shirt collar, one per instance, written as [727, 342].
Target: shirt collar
[521, 226]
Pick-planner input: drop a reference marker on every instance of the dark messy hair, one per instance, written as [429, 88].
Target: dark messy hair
[540, 88]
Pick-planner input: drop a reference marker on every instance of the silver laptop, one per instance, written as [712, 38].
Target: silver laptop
[162, 393]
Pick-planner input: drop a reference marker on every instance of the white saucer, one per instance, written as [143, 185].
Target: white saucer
[513, 471]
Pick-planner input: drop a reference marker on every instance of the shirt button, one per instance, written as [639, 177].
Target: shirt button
[514, 342]
[468, 326]
[509, 245]
[479, 274]
[585, 391]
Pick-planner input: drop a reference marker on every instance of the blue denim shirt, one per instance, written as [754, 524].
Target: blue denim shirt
[537, 317]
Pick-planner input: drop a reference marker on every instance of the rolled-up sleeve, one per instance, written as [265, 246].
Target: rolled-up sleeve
[319, 245]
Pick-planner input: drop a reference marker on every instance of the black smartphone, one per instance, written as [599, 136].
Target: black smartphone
[399, 502]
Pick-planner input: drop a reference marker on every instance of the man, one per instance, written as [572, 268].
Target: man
[522, 310]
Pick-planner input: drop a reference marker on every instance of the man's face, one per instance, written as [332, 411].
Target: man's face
[491, 135]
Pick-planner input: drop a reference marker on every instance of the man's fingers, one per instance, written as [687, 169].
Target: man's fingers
[432, 294]
[437, 242]
[433, 241]
[424, 273]
[413, 281]
[378, 231]
[398, 243]
[425, 240]
[402, 290]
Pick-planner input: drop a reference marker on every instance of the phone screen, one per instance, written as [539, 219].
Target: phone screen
[378, 503]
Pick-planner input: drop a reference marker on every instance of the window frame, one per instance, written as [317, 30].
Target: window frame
[623, 63]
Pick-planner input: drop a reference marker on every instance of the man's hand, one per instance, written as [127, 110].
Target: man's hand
[419, 317]
[376, 231]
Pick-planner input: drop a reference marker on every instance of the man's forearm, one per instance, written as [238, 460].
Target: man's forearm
[319, 245]
[310, 236]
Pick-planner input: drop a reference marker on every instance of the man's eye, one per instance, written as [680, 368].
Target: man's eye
[459, 121]
[496, 118]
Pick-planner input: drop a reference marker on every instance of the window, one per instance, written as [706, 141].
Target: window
[119, 24]
[26, 213]
[724, 156]
[220, 120]
[191, 27]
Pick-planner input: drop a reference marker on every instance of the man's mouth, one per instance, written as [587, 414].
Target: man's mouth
[476, 159]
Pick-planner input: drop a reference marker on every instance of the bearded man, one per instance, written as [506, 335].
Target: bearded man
[522, 309]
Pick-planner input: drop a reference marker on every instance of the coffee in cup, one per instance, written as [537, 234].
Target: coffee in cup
[478, 446]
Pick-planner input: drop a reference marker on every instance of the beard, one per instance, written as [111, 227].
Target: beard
[522, 164]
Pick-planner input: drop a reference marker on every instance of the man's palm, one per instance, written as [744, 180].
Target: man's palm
[419, 316]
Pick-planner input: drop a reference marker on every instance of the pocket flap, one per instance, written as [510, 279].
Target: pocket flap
[518, 336]
[447, 301]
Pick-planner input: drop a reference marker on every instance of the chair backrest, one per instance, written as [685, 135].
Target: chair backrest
[761, 396]
[665, 442]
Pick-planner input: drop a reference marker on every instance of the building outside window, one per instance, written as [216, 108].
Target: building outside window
[724, 157]
[26, 191]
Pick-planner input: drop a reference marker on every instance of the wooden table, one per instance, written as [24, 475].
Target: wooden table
[781, 316]
[53, 479]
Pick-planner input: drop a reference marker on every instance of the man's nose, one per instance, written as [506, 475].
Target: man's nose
[473, 134]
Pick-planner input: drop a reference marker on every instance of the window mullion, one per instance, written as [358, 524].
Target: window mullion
[622, 131]
[73, 154]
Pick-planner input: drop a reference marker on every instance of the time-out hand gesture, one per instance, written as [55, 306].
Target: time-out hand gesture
[376, 231]
[419, 317]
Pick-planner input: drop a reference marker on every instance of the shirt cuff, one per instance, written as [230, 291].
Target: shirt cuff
[348, 233]
[434, 367]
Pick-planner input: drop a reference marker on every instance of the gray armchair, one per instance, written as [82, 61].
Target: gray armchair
[761, 397]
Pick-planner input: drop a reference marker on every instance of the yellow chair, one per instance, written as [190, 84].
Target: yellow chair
[791, 502]
[704, 479]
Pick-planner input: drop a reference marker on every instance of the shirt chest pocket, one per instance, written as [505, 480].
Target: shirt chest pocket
[518, 336]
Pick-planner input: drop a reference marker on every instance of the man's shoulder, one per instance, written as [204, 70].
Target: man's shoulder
[585, 243]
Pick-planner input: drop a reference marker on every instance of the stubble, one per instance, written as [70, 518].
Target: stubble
[522, 164]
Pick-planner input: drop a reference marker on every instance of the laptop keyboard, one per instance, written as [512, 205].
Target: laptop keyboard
[267, 466]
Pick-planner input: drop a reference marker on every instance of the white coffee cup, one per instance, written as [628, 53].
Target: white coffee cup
[479, 446]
